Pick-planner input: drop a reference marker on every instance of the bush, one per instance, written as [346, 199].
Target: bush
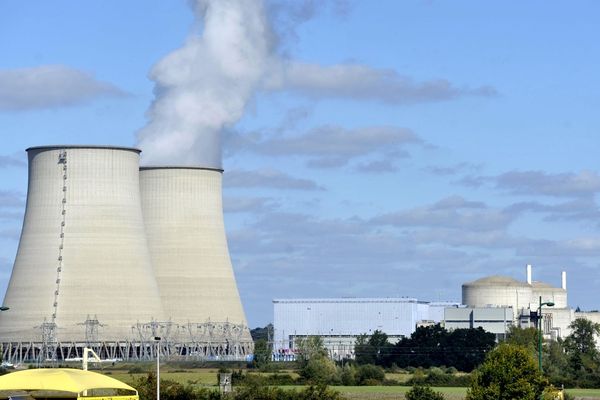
[369, 375]
[320, 371]
[439, 379]
[418, 392]
[253, 389]
[509, 372]
[348, 376]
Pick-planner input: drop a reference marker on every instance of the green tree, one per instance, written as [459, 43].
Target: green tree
[374, 349]
[319, 371]
[309, 347]
[525, 337]
[509, 372]
[363, 353]
[431, 346]
[556, 363]
[262, 354]
[348, 375]
[419, 392]
[369, 374]
[264, 333]
[580, 346]
[313, 363]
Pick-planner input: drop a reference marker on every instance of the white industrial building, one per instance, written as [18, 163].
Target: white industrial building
[494, 303]
[339, 321]
[496, 320]
[111, 257]
[498, 297]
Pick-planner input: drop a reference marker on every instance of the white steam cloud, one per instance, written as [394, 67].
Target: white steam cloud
[204, 86]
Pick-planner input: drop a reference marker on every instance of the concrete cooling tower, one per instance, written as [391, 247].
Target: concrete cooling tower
[112, 256]
[83, 270]
[183, 214]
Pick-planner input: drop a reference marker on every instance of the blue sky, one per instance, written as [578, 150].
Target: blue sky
[370, 148]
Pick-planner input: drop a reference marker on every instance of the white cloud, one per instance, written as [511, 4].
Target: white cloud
[267, 178]
[50, 86]
[204, 88]
[362, 82]
[12, 161]
[334, 146]
[453, 213]
[255, 205]
[11, 199]
[584, 183]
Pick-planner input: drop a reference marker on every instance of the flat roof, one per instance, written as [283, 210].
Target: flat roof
[353, 300]
[82, 146]
[150, 167]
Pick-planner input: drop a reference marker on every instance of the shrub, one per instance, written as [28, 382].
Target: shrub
[348, 376]
[509, 372]
[418, 392]
[369, 374]
[319, 370]
[135, 370]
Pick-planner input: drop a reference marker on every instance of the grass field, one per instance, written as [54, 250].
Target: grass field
[207, 377]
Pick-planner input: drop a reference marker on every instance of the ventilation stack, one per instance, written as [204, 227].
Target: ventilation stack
[83, 250]
[183, 214]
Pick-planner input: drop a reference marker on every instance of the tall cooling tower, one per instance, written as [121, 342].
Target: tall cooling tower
[183, 214]
[83, 250]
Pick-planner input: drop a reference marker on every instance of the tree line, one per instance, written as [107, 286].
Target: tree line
[430, 346]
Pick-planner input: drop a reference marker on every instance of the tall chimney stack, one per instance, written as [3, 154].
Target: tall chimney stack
[529, 274]
[564, 280]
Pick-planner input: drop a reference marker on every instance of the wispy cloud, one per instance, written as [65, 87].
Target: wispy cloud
[584, 183]
[377, 167]
[454, 212]
[50, 86]
[11, 199]
[582, 209]
[452, 170]
[362, 82]
[267, 178]
[7, 161]
[253, 205]
[334, 146]
[539, 183]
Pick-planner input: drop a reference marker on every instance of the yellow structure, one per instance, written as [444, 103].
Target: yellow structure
[72, 383]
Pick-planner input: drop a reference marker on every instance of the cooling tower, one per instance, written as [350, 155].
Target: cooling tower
[183, 214]
[83, 250]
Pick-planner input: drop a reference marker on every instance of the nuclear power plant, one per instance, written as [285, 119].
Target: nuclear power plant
[113, 256]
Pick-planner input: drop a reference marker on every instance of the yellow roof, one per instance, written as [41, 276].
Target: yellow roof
[63, 379]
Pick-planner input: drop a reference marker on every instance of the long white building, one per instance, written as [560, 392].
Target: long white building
[494, 303]
[339, 321]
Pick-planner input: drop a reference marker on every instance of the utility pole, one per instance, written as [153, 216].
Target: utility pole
[157, 339]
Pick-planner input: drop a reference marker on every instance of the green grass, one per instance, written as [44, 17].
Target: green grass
[393, 392]
[199, 377]
[207, 377]
[590, 393]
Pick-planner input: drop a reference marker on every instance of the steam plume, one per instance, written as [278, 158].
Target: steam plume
[205, 85]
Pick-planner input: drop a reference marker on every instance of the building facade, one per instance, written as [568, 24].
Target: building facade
[340, 321]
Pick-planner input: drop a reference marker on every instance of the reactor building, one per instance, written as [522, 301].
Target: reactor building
[113, 256]
[493, 303]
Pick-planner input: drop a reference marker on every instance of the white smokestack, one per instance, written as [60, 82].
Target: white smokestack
[529, 274]
[564, 280]
[204, 86]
